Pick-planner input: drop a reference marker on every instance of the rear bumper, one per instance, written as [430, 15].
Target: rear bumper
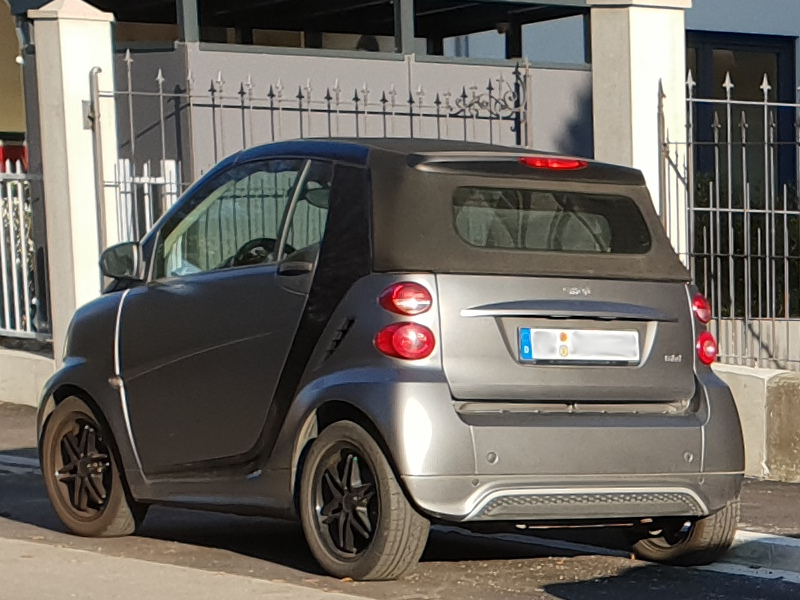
[472, 499]
[563, 467]
[462, 466]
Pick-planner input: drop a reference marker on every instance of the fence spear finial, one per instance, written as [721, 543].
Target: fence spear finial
[765, 86]
[728, 85]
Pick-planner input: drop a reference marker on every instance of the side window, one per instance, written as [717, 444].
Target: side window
[306, 224]
[235, 221]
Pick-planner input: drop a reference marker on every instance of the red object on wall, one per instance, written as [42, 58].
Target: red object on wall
[13, 151]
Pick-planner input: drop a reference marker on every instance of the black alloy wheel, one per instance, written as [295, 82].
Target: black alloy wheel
[83, 469]
[347, 506]
[356, 518]
[81, 474]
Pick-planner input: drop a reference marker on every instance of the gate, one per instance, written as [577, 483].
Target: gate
[16, 252]
[730, 206]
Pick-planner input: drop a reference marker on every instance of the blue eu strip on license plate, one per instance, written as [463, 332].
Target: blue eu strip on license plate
[525, 346]
[578, 345]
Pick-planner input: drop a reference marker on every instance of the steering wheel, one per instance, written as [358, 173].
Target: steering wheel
[256, 251]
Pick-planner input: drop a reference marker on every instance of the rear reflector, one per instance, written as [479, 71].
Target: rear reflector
[707, 349]
[410, 341]
[406, 298]
[701, 308]
[553, 164]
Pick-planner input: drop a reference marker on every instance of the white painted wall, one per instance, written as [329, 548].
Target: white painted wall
[72, 37]
[635, 48]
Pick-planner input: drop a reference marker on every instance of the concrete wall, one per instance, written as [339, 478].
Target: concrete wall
[12, 109]
[769, 409]
[23, 375]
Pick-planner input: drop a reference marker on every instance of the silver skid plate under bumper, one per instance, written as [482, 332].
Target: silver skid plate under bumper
[549, 498]
[512, 505]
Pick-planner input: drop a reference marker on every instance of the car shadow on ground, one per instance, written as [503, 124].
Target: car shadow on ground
[655, 582]
[490, 567]
[270, 540]
[247, 535]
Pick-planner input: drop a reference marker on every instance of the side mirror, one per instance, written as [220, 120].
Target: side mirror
[122, 262]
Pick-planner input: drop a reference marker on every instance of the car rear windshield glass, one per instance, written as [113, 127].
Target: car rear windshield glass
[546, 221]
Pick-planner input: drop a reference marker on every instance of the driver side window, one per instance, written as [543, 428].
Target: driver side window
[235, 221]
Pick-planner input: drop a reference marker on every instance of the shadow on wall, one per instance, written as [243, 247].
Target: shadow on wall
[577, 138]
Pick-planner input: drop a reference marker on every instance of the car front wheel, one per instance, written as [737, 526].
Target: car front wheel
[81, 474]
[689, 544]
[356, 518]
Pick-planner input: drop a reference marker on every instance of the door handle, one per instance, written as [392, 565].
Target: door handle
[294, 268]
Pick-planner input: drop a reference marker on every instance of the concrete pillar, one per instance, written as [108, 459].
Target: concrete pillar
[637, 44]
[70, 38]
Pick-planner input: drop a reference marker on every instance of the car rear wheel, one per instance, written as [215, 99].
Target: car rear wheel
[356, 518]
[688, 544]
[82, 476]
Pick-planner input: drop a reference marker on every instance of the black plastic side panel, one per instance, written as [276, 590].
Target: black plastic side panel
[345, 257]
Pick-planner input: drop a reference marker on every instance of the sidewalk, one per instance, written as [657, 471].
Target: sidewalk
[67, 572]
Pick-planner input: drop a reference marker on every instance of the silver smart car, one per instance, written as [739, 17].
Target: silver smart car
[377, 335]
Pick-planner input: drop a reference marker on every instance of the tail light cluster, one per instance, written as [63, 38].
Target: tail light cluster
[406, 340]
[707, 349]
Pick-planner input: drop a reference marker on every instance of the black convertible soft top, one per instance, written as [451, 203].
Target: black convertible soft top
[411, 208]
[412, 212]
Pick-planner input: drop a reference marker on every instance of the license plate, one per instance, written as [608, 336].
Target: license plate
[578, 345]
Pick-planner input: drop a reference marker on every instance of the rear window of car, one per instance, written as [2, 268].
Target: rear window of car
[548, 221]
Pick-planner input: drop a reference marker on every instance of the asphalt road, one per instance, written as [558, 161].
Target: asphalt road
[454, 566]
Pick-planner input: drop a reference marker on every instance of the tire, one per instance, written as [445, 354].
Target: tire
[347, 485]
[81, 474]
[706, 540]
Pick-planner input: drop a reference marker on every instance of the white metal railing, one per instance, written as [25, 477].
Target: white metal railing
[731, 205]
[16, 252]
[142, 199]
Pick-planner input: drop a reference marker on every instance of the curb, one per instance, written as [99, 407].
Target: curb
[765, 551]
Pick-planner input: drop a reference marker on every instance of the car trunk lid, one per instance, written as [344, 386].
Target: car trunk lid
[566, 340]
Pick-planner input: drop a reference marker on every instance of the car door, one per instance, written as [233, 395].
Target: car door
[203, 344]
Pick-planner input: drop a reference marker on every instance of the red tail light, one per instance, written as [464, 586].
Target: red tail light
[410, 341]
[707, 349]
[406, 298]
[553, 164]
[701, 308]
